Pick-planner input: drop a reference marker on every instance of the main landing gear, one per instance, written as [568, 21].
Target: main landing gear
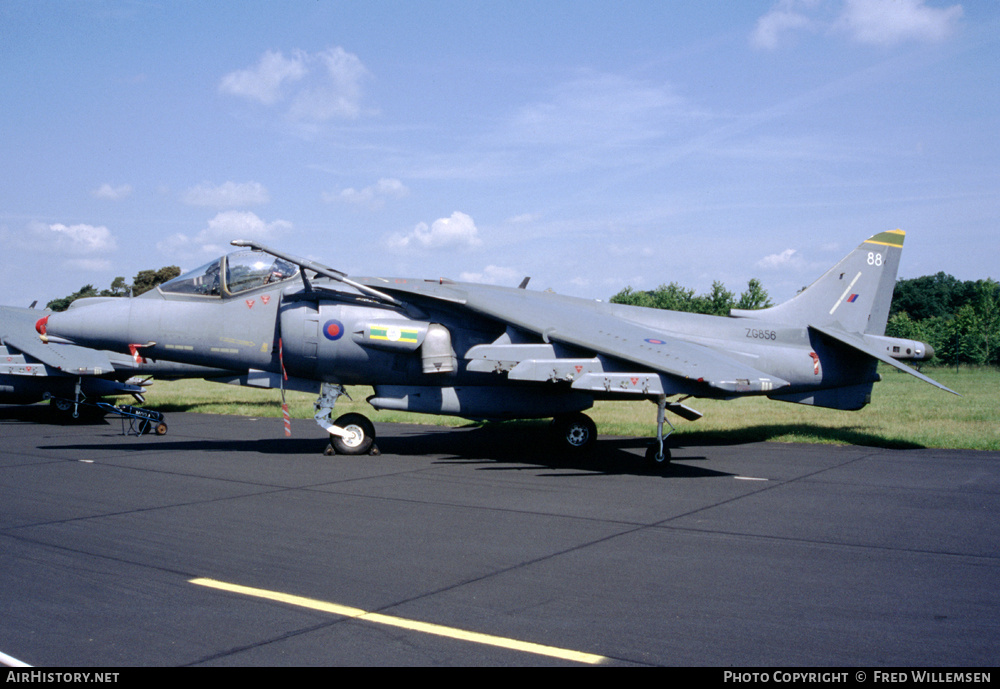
[575, 433]
[350, 434]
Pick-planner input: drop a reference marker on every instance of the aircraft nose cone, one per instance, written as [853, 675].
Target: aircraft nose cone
[100, 325]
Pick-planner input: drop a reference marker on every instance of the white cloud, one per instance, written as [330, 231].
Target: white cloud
[264, 81]
[774, 23]
[494, 275]
[337, 94]
[79, 247]
[374, 196]
[316, 86]
[226, 194]
[110, 193]
[893, 21]
[787, 258]
[882, 22]
[222, 229]
[458, 231]
[75, 239]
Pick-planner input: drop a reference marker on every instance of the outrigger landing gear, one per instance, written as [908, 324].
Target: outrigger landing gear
[351, 434]
[658, 454]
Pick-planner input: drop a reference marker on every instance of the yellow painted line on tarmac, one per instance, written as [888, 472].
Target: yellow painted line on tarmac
[403, 623]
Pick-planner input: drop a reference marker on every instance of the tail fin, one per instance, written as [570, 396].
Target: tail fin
[854, 295]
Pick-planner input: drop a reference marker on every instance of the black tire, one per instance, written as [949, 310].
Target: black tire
[160, 428]
[362, 439]
[653, 457]
[62, 408]
[575, 433]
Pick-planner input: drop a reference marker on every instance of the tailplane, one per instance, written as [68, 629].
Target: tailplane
[853, 296]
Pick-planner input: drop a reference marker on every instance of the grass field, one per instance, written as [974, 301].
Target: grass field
[904, 413]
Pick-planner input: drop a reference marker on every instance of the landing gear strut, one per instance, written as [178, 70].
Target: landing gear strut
[658, 454]
[351, 434]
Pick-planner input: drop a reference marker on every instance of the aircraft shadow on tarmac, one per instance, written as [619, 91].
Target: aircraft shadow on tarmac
[768, 432]
[510, 446]
[45, 414]
[506, 446]
[499, 445]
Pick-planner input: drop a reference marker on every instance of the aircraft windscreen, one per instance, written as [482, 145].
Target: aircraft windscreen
[244, 270]
[204, 281]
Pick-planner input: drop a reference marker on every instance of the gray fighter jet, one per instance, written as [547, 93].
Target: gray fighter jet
[69, 375]
[485, 352]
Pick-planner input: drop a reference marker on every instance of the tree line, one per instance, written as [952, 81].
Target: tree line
[960, 320]
[144, 281]
[717, 302]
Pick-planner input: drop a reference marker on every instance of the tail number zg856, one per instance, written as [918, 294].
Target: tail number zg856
[757, 334]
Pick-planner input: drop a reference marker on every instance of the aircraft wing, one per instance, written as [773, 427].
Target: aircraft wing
[580, 324]
[19, 332]
[589, 326]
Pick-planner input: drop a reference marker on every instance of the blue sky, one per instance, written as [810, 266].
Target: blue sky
[590, 145]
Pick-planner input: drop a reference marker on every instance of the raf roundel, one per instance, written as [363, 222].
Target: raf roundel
[333, 330]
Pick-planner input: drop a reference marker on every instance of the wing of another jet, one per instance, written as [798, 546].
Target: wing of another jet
[587, 325]
[19, 332]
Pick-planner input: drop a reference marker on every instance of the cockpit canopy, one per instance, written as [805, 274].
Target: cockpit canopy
[235, 273]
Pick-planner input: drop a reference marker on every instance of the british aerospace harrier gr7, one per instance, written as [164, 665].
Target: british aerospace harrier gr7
[486, 352]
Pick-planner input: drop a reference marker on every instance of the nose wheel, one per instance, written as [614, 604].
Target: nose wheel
[358, 436]
[351, 434]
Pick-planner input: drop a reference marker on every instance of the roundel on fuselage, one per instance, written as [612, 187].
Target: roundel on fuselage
[333, 329]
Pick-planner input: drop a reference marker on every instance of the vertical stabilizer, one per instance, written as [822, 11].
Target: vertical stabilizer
[854, 295]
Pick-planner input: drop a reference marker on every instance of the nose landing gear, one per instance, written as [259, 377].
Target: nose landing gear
[351, 434]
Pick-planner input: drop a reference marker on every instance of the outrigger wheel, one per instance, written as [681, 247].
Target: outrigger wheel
[658, 454]
[360, 438]
[657, 457]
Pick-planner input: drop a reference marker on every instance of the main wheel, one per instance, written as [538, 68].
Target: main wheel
[361, 438]
[575, 432]
[62, 408]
